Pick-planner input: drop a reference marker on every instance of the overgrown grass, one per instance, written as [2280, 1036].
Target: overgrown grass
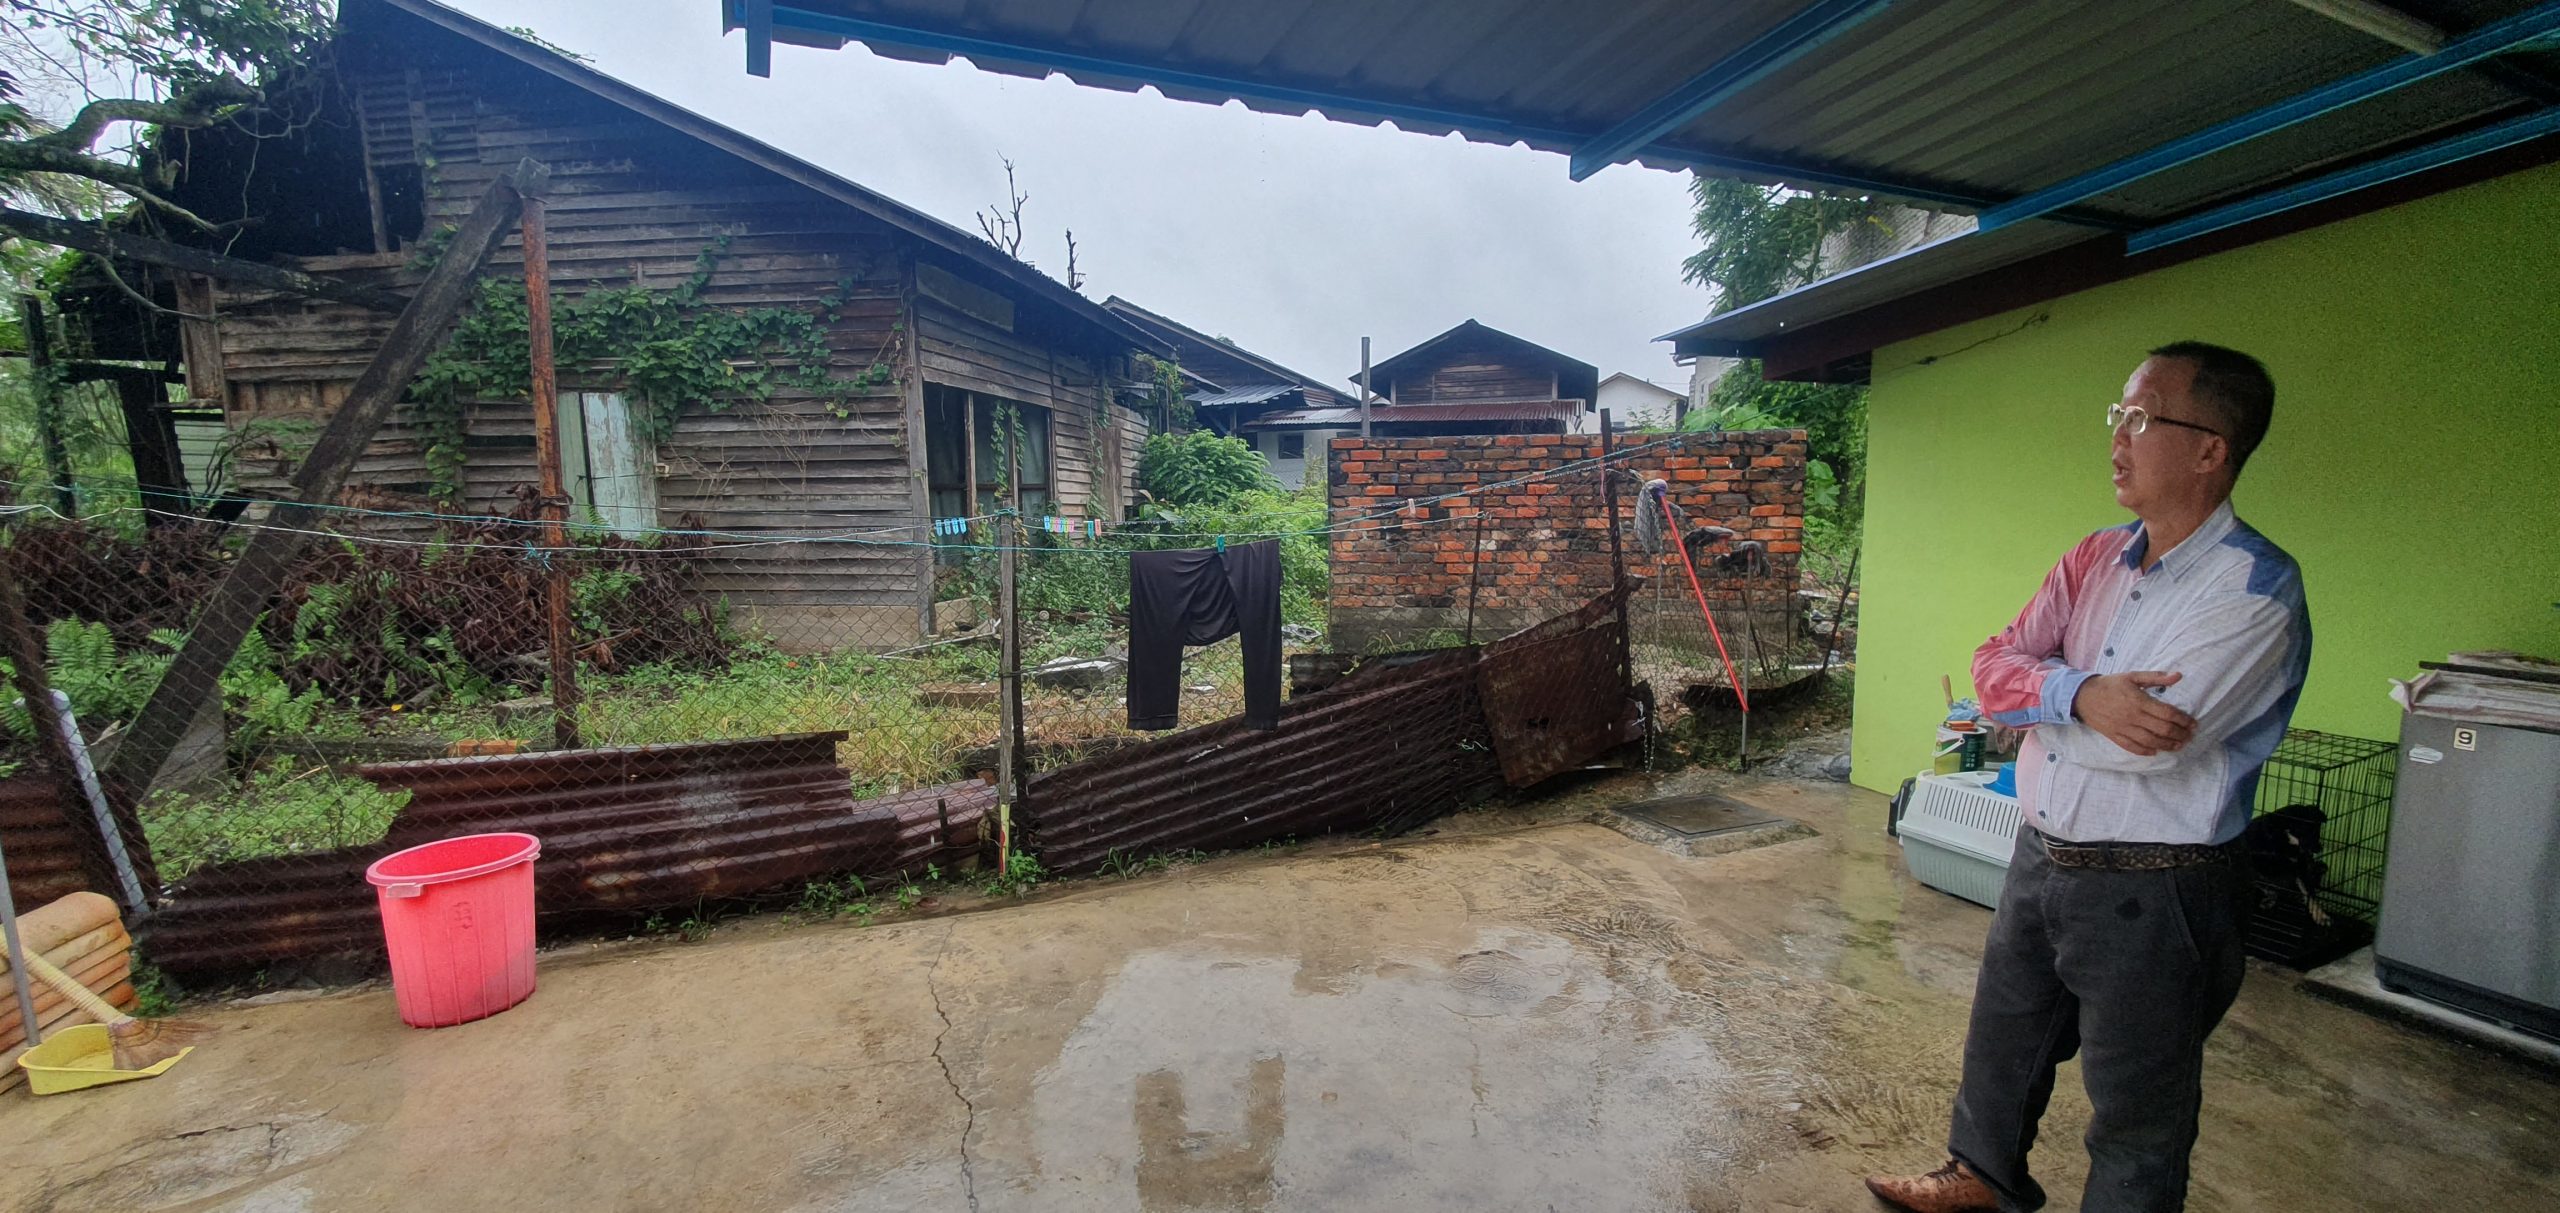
[282, 808]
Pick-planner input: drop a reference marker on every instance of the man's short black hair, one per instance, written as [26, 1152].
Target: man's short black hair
[2236, 387]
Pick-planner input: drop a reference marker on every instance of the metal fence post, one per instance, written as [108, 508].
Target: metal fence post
[546, 453]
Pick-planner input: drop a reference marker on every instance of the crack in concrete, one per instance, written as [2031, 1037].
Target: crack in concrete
[968, 1175]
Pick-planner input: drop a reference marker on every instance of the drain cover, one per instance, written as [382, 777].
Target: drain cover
[1699, 816]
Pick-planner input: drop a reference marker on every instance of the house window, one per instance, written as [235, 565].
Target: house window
[609, 470]
[1293, 446]
[964, 442]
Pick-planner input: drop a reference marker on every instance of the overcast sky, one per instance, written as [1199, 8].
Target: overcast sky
[1293, 236]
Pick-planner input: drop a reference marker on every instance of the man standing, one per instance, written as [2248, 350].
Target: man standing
[2154, 673]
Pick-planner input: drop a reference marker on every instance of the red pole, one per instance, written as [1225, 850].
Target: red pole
[1671, 526]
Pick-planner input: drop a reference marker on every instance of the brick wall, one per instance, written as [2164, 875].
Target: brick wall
[1403, 571]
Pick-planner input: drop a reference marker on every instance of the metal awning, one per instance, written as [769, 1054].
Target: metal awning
[1967, 103]
[2142, 125]
[1257, 393]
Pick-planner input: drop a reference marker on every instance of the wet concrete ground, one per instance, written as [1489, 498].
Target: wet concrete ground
[1513, 1013]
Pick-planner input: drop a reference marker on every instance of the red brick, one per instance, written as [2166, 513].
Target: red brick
[1767, 511]
[1768, 461]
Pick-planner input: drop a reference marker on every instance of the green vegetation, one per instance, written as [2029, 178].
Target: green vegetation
[1125, 867]
[669, 348]
[1020, 876]
[1758, 241]
[283, 807]
[1200, 468]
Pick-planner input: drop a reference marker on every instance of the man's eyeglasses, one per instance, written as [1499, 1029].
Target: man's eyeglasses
[2133, 419]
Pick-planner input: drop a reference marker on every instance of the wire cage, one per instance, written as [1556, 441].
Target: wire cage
[2322, 825]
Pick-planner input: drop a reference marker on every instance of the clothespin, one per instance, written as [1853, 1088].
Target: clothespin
[1222, 545]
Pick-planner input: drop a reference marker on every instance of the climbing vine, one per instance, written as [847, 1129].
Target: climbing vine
[666, 349]
[1165, 397]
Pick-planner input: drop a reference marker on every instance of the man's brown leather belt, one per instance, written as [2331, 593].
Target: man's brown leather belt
[2134, 856]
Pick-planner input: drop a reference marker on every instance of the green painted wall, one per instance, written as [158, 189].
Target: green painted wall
[2413, 469]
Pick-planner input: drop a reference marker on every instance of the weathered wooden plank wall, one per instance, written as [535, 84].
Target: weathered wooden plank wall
[634, 201]
[1478, 376]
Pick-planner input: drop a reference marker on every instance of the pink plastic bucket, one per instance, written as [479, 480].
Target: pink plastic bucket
[458, 917]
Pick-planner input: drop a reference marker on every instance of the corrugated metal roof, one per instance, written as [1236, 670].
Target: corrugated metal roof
[1473, 410]
[1739, 332]
[948, 237]
[1253, 394]
[1957, 101]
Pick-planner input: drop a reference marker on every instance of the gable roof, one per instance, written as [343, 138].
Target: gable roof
[1577, 380]
[1656, 388]
[906, 219]
[1178, 334]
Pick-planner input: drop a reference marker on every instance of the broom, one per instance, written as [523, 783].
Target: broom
[139, 1043]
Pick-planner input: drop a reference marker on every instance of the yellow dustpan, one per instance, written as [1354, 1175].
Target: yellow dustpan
[82, 1056]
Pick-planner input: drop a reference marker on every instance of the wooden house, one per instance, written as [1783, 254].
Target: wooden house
[928, 331]
[1469, 380]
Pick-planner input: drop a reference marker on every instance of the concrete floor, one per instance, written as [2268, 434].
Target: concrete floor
[1506, 1015]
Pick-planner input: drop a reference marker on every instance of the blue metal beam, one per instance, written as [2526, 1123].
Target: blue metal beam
[2496, 38]
[790, 18]
[757, 17]
[2346, 181]
[1788, 41]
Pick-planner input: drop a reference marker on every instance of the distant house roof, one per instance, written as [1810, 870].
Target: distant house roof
[1191, 345]
[1646, 385]
[1385, 414]
[898, 215]
[1575, 379]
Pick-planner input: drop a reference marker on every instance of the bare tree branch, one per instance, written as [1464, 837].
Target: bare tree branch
[201, 106]
[1004, 230]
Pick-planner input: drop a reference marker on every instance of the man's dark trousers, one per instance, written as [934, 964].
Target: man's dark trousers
[2131, 970]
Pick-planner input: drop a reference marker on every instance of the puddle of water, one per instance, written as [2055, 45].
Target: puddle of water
[1511, 1074]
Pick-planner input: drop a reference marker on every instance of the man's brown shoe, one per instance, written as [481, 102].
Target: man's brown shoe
[1953, 1188]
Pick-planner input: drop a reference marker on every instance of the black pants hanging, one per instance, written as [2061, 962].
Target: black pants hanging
[1199, 597]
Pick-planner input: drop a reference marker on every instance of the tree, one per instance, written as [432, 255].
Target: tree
[1758, 241]
[186, 64]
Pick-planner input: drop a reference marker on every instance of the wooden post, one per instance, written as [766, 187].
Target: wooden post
[48, 400]
[159, 469]
[1009, 661]
[1364, 387]
[968, 455]
[1617, 552]
[243, 594]
[563, 643]
[1475, 563]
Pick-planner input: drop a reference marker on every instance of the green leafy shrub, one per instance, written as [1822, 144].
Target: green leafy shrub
[105, 686]
[1201, 468]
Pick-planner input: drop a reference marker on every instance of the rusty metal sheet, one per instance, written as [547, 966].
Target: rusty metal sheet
[1554, 693]
[623, 829]
[1390, 746]
[44, 851]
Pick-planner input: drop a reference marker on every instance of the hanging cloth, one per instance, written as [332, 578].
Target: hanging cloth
[1201, 596]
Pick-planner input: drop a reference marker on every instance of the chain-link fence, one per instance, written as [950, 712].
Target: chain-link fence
[723, 738]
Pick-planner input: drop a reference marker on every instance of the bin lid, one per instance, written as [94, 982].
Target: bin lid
[2481, 699]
